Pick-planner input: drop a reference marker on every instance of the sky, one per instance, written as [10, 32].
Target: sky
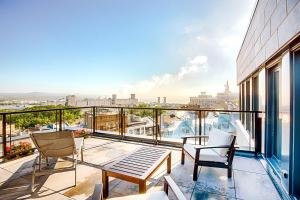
[171, 48]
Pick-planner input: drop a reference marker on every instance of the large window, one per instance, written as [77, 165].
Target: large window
[278, 109]
[262, 104]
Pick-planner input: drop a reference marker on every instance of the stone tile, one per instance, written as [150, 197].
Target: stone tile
[278, 15]
[254, 186]
[215, 180]
[19, 167]
[183, 174]
[204, 195]
[5, 175]
[290, 25]
[291, 4]
[271, 45]
[19, 164]
[14, 189]
[95, 142]
[266, 33]
[187, 191]
[45, 194]
[248, 164]
[270, 7]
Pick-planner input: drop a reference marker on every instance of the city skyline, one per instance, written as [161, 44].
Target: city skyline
[101, 48]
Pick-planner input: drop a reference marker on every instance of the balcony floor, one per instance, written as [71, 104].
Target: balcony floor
[249, 181]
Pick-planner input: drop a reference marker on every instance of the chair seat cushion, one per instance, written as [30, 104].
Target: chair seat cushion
[158, 195]
[205, 154]
[218, 138]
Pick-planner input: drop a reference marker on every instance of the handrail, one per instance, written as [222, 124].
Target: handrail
[137, 108]
[156, 119]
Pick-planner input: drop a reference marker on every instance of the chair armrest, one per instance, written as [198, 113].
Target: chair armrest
[196, 136]
[236, 146]
[170, 183]
[211, 147]
[98, 192]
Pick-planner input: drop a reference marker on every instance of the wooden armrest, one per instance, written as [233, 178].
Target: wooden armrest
[170, 183]
[196, 136]
[211, 147]
[98, 192]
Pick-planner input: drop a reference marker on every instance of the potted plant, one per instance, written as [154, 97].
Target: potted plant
[20, 150]
[80, 133]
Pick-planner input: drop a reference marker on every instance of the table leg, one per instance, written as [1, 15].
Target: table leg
[142, 187]
[169, 164]
[105, 183]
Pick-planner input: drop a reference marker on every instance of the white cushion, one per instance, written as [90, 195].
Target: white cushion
[218, 138]
[205, 154]
[159, 195]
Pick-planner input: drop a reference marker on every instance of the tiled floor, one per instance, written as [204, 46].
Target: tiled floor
[249, 180]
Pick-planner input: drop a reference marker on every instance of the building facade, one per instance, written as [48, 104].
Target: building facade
[105, 122]
[268, 74]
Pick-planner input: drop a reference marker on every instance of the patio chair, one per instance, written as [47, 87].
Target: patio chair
[218, 152]
[158, 195]
[55, 145]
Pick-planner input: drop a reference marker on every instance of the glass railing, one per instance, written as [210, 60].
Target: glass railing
[156, 125]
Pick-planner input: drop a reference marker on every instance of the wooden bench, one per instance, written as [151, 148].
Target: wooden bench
[136, 167]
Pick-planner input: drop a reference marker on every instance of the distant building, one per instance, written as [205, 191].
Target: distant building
[203, 100]
[71, 100]
[227, 95]
[105, 121]
[132, 101]
[223, 100]
[165, 100]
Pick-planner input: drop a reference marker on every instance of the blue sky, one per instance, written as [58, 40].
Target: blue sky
[152, 48]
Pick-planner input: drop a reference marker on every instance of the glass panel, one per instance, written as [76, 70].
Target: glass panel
[139, 123]
[1, 137]
[78, 120]
[284, 116]
[176, 124]
[262, 104]
[19, 126]
[279, 118]
[229, 122]
[107, 120]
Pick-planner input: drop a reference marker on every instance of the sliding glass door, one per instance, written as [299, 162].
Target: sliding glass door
[278, 122]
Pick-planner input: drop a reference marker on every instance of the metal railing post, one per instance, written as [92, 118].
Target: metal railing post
[257, 133]
[200, 126]
[4, 134]
[94, 120]
[156, 126]
[60, 119]
[122, 122]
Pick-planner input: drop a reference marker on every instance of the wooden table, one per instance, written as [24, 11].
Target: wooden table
[137, 167]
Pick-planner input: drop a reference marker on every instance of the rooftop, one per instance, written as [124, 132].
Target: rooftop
[249, 181]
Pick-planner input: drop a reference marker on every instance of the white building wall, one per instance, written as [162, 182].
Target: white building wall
[273, 24]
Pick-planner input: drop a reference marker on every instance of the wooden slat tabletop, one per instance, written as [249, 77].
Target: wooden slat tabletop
[139, 164]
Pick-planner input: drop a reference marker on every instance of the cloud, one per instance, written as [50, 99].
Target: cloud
[161, 84]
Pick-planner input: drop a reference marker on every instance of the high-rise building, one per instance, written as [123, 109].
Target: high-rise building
[71, 100]
[268, 74]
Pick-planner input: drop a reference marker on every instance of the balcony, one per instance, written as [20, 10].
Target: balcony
[249, 181]
[115, 131]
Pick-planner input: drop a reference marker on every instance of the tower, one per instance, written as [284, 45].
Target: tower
[227, 88]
